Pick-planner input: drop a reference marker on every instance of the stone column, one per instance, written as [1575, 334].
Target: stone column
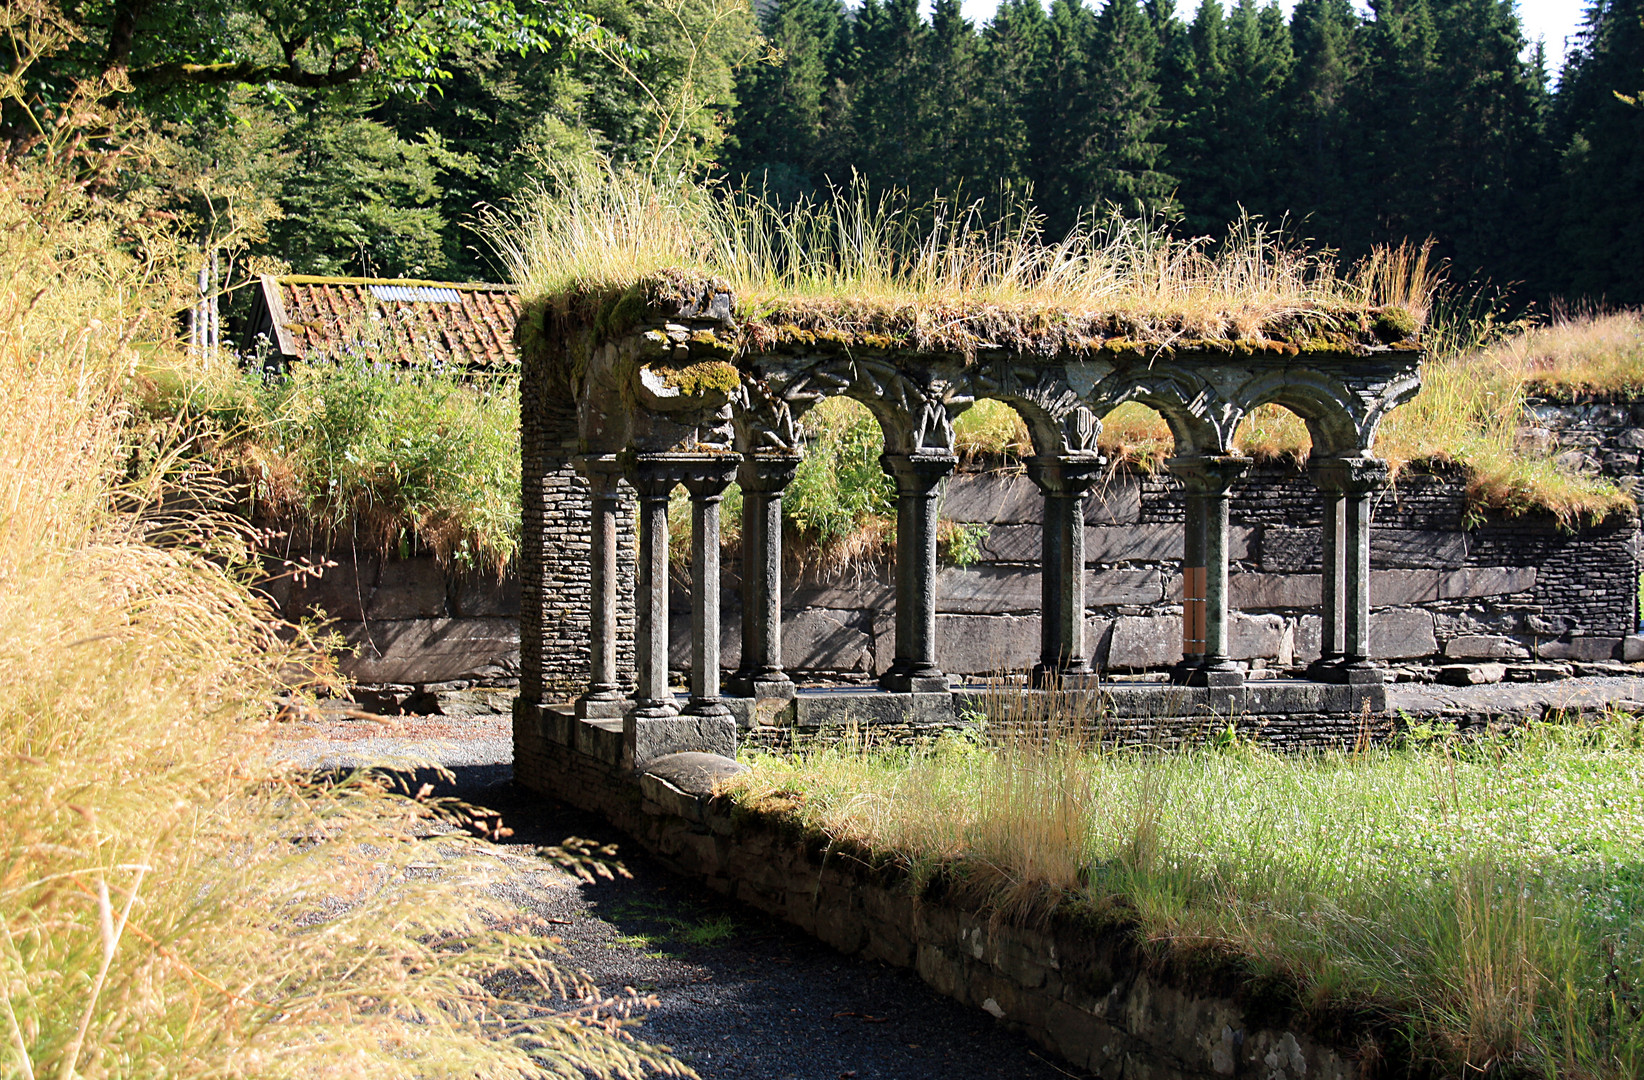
[1352, 483]
[1192, 584]
[1210, 479]
[760, 674]
[604, 697]
[914, 669]
[707, 484]
[1064, 482]
[655, 481]
[1332, 569]
[654, 727]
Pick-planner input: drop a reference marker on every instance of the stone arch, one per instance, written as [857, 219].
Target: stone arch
[1333, 414]
[1199, 420]
[1059, 422]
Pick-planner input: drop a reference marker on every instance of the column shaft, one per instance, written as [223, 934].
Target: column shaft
[1355, 644]
[1349, 485]
[706, 483]
[1064, 481]
[1332, 581]
[1207, 482]
[1193, 564]
[917, 476]
[604, 696]
[760, 674]
[652, 698]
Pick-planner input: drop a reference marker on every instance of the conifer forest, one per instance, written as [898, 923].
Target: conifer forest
[368, 138]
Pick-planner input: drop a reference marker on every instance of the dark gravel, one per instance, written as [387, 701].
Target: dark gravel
[740, 994]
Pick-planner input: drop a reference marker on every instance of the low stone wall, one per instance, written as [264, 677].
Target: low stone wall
[1445, 588]
[1084, 991]
[1597, 434]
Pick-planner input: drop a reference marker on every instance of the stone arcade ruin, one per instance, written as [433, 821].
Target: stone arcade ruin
[666, 386]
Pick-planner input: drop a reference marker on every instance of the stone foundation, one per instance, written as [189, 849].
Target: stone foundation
[1083, 990]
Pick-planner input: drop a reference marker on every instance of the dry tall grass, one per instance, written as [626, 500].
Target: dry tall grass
[944, 272]
[171, 902]
[1482, 896]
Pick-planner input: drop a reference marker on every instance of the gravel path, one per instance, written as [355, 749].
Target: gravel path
[740, 995]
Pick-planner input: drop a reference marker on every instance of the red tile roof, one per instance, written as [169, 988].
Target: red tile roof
[390, 321]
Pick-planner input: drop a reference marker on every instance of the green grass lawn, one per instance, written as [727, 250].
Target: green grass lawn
[1487, 893]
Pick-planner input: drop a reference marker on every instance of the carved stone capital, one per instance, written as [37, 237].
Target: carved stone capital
[1348, 475]
[1071, 476]
[918, 474]
[767, 474]
[1208, 475]
[603, 473]
[654, 476]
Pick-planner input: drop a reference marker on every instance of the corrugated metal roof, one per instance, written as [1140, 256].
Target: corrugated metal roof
[401, 322]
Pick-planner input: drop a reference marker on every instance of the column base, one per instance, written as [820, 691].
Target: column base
[760, 686]
[1349, 673]
[706, 707]
[644, 739]
[1229, 678]
[602, 706]
[902, 682]
[653, 710]
[1181, 672]
[1072, 677]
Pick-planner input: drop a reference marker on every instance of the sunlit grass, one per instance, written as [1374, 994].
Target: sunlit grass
[945, 275]
[1487, 894]
[173, 901]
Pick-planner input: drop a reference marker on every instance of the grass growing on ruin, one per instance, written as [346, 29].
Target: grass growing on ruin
[353, 454]
[1487, 895]
[945, 275]
[172, 901]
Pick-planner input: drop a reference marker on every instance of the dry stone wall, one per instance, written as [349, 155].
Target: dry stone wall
[1086, 992]
[1600, 434]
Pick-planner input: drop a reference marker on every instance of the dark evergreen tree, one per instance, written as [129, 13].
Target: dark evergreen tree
[1602, 137]
[1120, 156]
[888, 143]
[1326, 41]
[783, 107]
[1010, 68]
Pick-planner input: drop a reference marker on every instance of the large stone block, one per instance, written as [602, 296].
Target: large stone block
[1116, 501]
[866, 591]
[987, 589]
[1252, 636]
[342, 591]
[1259, 592]
[1389, 588]
[1417, 549]
[1112, 587]
[1487, 581]
[1145, 641]
[827, 640]
[1485, 647]
[1309, 638]
[992, 499]
[1401, 634]
[1585, 648]
[475, 595]
[432, 650]
[986, 644]
[409, 589]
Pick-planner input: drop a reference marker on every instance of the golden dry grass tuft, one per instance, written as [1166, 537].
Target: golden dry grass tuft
[945, 275]
[172, 901]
